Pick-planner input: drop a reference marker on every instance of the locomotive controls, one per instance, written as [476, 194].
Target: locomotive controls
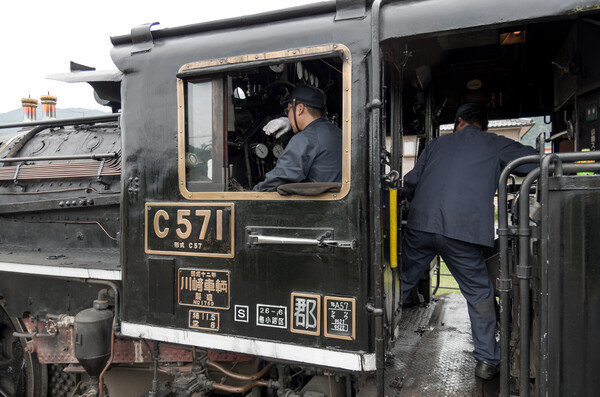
[260, 150]
[277, 150]
[254, 97]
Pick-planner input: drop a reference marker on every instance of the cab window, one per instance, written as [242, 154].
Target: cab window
[203, 141]
[223, 150]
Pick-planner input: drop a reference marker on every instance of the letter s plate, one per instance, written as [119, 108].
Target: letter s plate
[199, 229]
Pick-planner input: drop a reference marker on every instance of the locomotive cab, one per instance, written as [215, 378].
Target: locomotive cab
[244, 97]
[211, 263]
[135, 243]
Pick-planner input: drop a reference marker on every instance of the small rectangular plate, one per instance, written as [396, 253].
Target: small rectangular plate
[203, 288]
[340, 317]
[208, 321]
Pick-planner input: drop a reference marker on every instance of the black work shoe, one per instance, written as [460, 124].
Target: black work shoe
[486, 370]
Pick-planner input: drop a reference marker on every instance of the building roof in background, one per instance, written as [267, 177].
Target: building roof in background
[507, 123]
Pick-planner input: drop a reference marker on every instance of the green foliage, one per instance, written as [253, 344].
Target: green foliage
[445, 281]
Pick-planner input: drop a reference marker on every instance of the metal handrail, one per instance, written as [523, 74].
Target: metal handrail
[64, 122]
[92, 156]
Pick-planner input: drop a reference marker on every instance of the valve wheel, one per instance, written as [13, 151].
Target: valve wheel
[21, 375]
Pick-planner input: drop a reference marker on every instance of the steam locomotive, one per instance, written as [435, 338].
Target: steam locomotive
[136, 260]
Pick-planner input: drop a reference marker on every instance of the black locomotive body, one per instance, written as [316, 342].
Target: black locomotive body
[134, 243]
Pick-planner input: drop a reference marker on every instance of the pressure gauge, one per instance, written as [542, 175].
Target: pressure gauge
[260, 150]
[191, 160]
[299, 70]
[278, 68]
[277, 150]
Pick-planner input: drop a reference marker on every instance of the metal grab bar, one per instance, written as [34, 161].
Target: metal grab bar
[65, 122]
[92, 156]
[504, 282]
[258, 239]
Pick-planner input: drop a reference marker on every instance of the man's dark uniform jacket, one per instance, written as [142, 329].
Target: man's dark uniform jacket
[312, 155]
[454, 182]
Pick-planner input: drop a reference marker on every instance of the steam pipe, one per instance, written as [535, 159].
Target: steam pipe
[240, 389]
[504, 283]
[524, 275]
[110, 359]
[235, 375]
[34, 335]
[113, 286]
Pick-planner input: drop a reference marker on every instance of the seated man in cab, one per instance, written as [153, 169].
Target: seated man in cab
[314, 154]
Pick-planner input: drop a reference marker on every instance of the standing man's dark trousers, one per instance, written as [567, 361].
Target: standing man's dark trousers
[467, 264]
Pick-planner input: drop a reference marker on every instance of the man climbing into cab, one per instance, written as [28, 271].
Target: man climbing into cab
[451, 192]
[314, 154]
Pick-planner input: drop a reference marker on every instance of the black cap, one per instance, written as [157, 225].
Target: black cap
[467, 110]
[308, 96]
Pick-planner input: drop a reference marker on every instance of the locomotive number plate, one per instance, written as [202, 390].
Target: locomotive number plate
[202, 229]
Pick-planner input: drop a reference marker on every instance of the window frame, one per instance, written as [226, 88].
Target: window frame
[218, 116]
[204, 69]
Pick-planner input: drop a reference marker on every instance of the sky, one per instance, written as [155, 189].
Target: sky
[41, 37]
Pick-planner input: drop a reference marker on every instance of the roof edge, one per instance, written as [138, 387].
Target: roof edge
[265, 17]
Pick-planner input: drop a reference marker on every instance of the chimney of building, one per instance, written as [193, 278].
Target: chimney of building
[29, 109]
[48, 106]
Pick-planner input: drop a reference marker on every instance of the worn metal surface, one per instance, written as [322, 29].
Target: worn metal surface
[573, 276]
[59, 348]
[261, 279]
[12, 257]
[432, 355]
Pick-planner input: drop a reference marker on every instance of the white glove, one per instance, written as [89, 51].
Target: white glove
[277, 126]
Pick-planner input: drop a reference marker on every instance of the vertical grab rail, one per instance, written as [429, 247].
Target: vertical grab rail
[524, 274]
[524, 269]
[393, 227]
[375, 167]
[504, 283]
[544, 234]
